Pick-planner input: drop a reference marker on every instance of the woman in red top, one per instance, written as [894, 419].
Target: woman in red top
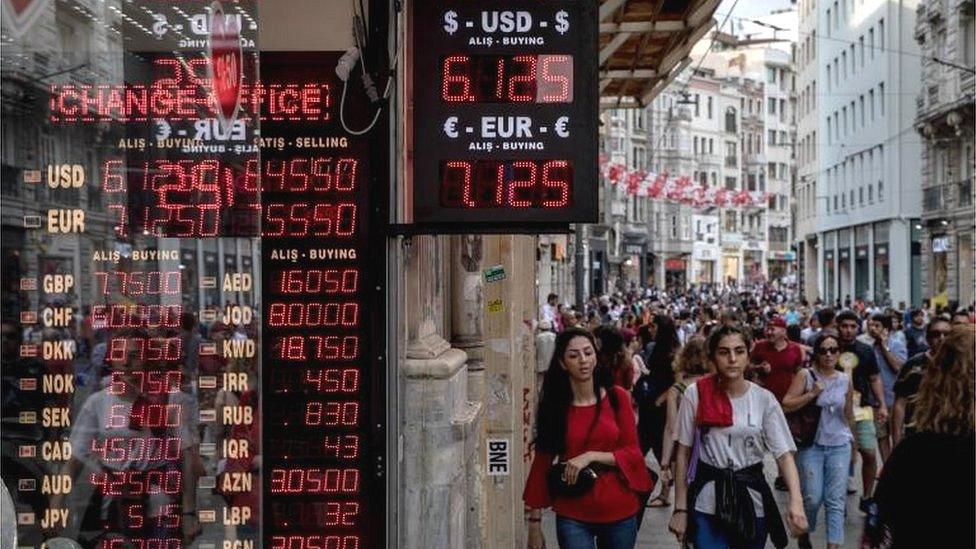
[585, 421]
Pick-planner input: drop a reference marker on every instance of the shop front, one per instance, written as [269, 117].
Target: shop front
[704, 265]
[675, 273]
[882, 263]
[731, 261]
[781, 264]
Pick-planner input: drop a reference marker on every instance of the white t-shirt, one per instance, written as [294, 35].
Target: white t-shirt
[98, 420]
[758, 426]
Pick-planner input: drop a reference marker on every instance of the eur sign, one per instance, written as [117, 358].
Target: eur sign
[226, 64]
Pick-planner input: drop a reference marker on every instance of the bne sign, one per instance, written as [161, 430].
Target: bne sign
[499, 457]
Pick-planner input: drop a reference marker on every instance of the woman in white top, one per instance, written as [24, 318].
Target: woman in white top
[823, 464]
[729, 424]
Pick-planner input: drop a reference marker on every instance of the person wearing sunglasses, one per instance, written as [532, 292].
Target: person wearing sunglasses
[823, 464]
[910, 377]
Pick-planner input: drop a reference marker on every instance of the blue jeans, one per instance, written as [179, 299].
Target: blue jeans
[823, 478]
[576, 534]
[710, 534]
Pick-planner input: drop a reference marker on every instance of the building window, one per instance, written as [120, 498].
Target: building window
[968, 53]
[771, 136]
[860, 196]
[695, 142]
[730, 124]
[828, 21]
[709, 107]
[881, 97]
[870, 193]
[880, 191]
[881, 34]
[697, 103]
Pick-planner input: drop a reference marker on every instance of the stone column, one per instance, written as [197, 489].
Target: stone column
[467, 334]
[438, 419]
[510, 379]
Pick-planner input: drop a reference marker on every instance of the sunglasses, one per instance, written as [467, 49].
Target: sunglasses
[829, 350]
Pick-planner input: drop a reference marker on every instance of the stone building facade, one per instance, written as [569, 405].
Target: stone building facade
[944, 31]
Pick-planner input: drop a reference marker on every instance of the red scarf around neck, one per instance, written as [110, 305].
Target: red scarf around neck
[714, 404]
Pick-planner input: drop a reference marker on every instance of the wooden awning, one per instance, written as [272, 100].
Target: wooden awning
[645, 43]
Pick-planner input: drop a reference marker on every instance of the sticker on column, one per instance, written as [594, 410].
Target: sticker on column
[499, 458]
[495, 306]
[495, 274]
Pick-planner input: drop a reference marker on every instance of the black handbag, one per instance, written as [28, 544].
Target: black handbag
[804, 422]
[558, 488]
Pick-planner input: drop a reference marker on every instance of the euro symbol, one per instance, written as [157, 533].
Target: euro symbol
[560, 126]
[450, 127]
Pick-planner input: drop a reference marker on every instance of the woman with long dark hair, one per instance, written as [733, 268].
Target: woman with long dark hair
[726, 426]
[653, 413]
[587, 423]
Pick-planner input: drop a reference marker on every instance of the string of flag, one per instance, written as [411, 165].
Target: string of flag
[681, 189]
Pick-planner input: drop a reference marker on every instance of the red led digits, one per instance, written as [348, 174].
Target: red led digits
[126, 449]
[292, 315]
[506, 184]
[556, 177]
[302, 175]
[316, 281]
[331, 414]
[315, 542]
[167, 349]
[141, 543]
[136, 316]
[332, 380]
[314, 480]
[302, 219]
[316, 514]
[521, 84]
[456, 83]
[556, 81]
[138, 483]
[138, 283]
[315, 347]
[144, 415]
[507, 79]
[150, 382]
[523, 177]
[341, 447]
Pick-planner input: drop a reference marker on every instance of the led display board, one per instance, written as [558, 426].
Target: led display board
[191, 316]
[505, 113]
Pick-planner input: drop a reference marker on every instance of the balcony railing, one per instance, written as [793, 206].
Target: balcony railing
[933, 199]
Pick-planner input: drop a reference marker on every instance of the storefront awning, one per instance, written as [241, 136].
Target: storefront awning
[644, 44]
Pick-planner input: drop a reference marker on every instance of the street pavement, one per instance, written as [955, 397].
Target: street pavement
[654, 530]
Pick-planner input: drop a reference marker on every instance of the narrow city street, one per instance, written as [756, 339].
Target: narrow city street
[429, 274]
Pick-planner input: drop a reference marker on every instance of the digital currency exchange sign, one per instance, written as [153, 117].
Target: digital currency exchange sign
[505, 113]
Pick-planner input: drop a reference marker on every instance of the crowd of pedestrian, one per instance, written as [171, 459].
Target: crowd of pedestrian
[691, 396]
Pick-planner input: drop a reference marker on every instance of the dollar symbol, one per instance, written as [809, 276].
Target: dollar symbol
[562, 21]
[450, 22]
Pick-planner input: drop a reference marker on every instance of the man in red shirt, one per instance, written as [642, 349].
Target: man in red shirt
[776, 359]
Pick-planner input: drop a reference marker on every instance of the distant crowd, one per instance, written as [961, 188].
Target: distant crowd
[683, 395]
